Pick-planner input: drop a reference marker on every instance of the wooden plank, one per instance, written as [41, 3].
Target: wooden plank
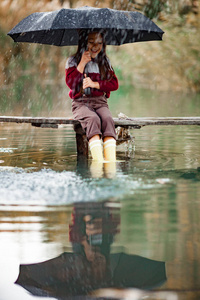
[131, 122]
[158, 121]
[37, 120]
[81, 140]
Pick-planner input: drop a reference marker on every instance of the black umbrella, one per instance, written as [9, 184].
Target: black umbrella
[136, 271]
[61, 27]
[69, 274]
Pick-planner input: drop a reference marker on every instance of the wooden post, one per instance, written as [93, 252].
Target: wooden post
[81, 141]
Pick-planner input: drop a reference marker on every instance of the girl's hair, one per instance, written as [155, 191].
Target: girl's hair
[106, 70]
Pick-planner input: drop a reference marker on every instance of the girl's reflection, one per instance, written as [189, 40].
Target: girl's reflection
[92, 233]
[91, 265]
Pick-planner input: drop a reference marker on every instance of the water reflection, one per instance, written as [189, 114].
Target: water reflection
[91, 265]
[96, 169]
[159, 192]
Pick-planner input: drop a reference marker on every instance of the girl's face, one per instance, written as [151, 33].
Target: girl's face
[95, 44]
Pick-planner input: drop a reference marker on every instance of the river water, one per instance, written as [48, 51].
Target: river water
[144, 226]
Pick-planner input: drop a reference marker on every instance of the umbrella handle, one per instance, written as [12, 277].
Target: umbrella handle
[87, 91]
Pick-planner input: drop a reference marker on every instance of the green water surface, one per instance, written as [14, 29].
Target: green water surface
[154, 191]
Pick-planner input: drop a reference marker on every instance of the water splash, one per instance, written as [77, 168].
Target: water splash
[47, 187]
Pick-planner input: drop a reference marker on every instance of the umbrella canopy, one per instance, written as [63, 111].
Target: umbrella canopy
[136, 271]
[70, 274]
[61, 27]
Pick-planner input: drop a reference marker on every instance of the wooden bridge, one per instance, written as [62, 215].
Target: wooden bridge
[81, 140]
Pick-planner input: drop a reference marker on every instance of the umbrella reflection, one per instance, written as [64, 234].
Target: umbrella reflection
[91, 265]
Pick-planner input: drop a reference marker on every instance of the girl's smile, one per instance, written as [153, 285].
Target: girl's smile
[95, 44]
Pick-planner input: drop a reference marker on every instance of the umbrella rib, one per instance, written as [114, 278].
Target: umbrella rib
[160, 34]
[63, 32]
[119, 43]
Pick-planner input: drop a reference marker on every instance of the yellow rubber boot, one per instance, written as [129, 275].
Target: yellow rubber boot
[109, 148]
[96, 150]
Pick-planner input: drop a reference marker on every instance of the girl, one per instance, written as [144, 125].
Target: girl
[90, 69]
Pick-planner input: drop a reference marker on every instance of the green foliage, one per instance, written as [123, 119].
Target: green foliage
[153, 7]
[193, 76]
[18, 88]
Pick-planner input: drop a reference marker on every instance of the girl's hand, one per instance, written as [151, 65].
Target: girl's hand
[83, 62]
[87, 82]
[85, 58]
